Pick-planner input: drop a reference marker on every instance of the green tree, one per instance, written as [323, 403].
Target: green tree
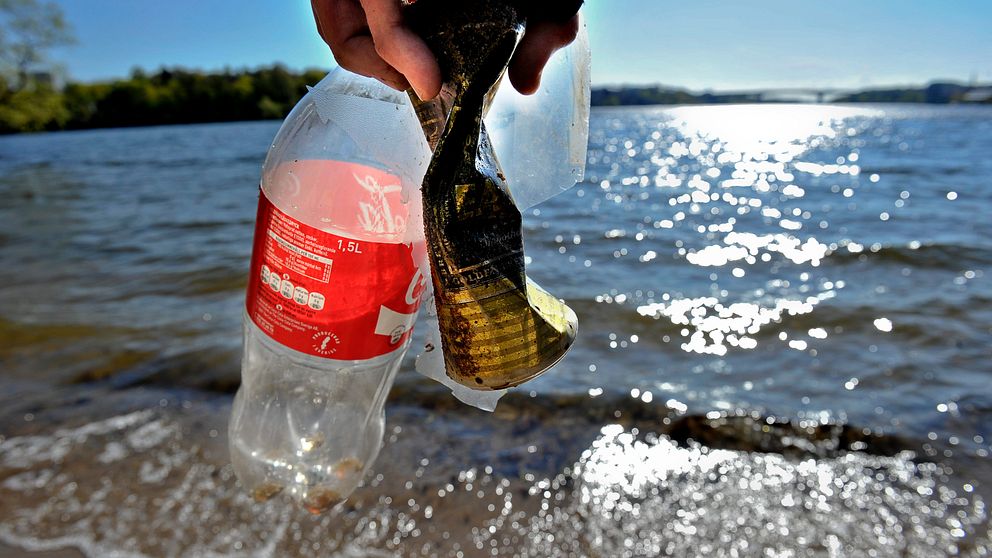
[28, 99]
[31, 110]
[28, 30]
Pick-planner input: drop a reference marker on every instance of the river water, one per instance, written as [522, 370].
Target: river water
[785, 335]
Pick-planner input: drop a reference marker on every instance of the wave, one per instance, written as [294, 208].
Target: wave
[209, 160]
[185, 283]
[209, 370]
[217, 371]
[740, 431]
[925, 320]
[207, 225]
[935, 256]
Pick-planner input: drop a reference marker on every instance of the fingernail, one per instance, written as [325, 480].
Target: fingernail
[420, 94]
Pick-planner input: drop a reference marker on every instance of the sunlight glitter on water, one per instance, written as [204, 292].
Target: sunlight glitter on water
[766, 130]
[755, 156]
[668, 498]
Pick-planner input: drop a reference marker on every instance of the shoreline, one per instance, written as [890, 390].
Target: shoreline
[447, 473]
[13, 551]
[786, 102]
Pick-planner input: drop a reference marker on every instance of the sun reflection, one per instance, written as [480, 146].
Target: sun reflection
[646, 495]
[883, 324]
[766, 131]
[722, 163]
[718, 327]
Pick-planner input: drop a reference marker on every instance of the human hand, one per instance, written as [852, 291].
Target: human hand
[369, 37]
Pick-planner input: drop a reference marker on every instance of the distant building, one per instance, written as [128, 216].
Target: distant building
[978, 95]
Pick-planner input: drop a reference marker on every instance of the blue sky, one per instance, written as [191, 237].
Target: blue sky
[697, 44]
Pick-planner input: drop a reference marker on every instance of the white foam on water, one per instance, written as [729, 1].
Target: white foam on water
[148, 484]
[27, 450]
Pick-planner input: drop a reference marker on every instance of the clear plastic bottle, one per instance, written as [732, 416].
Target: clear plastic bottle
[337, 275]
[339, 269]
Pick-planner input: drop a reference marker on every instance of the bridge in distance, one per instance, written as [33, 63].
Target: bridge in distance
[790, 94]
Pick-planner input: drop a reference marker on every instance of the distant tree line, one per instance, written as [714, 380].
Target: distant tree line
[658, 95]
[935, 93]
[169, 96]
[31, 99]
[623, 96]
[32, 102]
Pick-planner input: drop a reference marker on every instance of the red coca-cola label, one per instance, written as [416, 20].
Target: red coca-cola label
[328, 295]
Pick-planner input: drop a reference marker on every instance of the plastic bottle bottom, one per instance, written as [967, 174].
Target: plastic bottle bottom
[306, 427]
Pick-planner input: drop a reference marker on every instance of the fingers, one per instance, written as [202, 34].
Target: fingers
[342, 25]
[402, 48]
[368, 37]
[540, 41]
